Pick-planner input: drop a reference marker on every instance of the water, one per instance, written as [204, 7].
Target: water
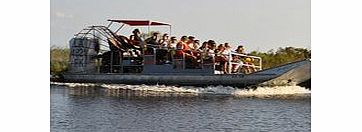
[101, 107]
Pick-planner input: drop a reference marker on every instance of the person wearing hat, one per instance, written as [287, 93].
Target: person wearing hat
[136, 34]
[135, 31]
[135, 38]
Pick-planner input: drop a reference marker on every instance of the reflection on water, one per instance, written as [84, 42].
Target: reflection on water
[127, 108]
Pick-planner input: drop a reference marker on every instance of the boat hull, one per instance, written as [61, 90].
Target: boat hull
[289, 74]
[191, 80]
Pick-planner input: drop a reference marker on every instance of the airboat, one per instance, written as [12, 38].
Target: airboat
[100, 54]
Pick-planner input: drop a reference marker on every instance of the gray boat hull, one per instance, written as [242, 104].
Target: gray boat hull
[289, 74]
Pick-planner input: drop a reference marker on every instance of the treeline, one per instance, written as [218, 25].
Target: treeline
[59, 60]
[282, 56]
[59, 57]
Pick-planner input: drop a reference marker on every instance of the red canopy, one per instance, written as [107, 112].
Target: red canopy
[140, 22]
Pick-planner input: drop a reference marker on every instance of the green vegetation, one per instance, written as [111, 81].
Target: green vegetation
[59, 57]
[282, 56]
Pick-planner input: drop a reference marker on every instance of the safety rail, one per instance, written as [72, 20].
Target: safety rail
[257, 66]
[230, 63]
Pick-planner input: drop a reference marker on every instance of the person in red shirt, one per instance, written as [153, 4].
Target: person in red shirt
[180, 47]
[183, 48]
[182, 43]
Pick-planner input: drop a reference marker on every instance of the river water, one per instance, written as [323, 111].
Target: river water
[111, 108]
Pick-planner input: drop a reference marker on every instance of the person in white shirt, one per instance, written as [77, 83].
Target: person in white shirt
[172, 43]
[239, 59]
[164, 41]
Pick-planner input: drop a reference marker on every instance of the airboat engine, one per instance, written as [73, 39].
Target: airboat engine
[83, 55]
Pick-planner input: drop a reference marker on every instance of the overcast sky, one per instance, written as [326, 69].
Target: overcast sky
[261, 24]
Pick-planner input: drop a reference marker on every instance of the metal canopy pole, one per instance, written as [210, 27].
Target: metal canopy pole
[109, 24]
[149, 24]
[170, 31]
[119, 28]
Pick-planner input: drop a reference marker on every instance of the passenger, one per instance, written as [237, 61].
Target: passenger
[164, 41]
[132, 40]
[186, 49]
[238, 59]
[196, 52]
[226, 53]
[136, 39]
[236, 67]
[220, 48]
[172, 48]
[211, 48]
[185, 46]
[172, 43]
[190, 42]
[204, 51]
[161, 51]
[240, 50]
[221, 58]
[196, 44]
[246, 63]
[227, 48]
[153, 40]
[212, 44]
[203, 46]
[179, 49]
[249, 67]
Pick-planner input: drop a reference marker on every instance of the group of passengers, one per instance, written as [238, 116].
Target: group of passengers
[189, 48]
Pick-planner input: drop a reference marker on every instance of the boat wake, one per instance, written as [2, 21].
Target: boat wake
[162, 90]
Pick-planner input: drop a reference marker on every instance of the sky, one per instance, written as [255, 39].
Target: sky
[259, 25]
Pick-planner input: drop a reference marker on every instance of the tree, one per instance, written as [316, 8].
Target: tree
[59, 60]
[282, 56]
